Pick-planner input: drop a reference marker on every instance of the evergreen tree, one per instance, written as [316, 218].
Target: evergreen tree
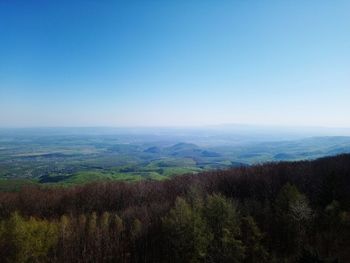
[186, 233]
[223, 222]
[252, 240]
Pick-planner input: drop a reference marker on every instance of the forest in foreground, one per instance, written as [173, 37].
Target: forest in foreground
[275, 212]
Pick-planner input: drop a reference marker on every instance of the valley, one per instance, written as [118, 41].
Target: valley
[70, 159]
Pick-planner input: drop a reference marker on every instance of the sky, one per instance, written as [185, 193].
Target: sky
[174, 63]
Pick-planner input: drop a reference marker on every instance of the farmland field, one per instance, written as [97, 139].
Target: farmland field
[67, 158]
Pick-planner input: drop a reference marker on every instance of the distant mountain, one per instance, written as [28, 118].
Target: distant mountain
[62, 158]
[183, 150]
[182, 146]
[153, 149]
[190, 150]
[283, 156]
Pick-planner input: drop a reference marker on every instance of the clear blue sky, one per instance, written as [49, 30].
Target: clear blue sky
[166, 63]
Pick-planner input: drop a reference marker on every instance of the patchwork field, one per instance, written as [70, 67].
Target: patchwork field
[65, 159]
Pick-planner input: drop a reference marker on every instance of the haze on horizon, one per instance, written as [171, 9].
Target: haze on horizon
[174, 63]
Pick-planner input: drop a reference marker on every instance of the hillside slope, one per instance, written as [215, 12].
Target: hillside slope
[288, 211]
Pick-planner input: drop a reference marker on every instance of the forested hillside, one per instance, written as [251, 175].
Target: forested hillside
[277, 212]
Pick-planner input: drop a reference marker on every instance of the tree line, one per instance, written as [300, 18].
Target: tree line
[275, 212]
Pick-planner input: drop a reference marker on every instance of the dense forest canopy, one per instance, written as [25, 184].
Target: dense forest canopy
[277, 212]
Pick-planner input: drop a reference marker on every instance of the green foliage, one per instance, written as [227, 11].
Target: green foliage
[136, 228]
[293, 214]
[92, 225]
[105, 221]
[8, 185]
[252, 239]
[334, 229]
[206, 232]
[186, 233]
[29, 240]
[223, 222]
[117, 225]
[70, 160]
[265, 219]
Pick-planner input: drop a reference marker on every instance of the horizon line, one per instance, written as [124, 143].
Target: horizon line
[222, 125]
